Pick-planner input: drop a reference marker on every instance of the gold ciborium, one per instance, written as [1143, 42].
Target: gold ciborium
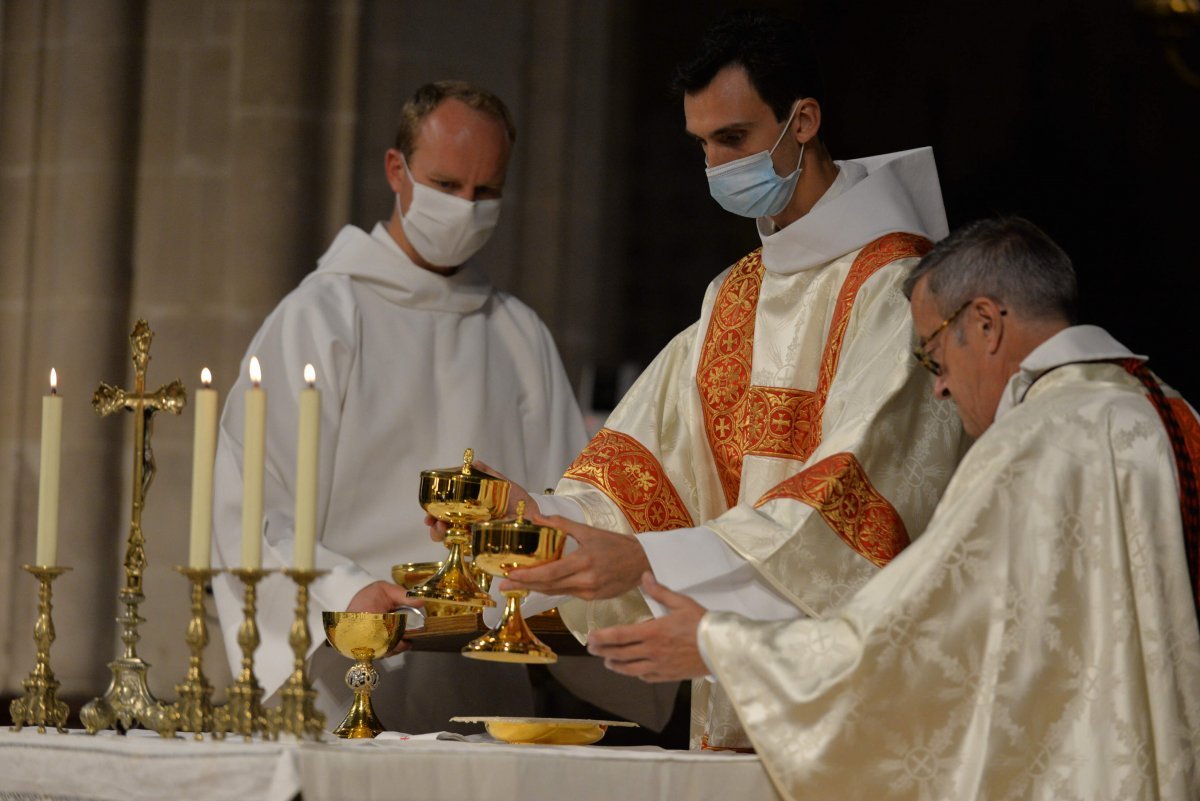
[500, 546]
[363, 637]
[459, 496]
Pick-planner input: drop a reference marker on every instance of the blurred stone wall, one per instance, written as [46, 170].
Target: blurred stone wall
[187, 161]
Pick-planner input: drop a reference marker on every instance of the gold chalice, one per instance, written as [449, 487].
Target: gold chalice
[500, 546]
[411, 574]
[460, 497]
[363, 637]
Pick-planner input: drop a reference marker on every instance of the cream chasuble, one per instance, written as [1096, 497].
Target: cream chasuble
[413, 367]
[1039, 641]
[789, 426]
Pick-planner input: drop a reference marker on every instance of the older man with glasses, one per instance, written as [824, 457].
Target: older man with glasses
[1039, 639]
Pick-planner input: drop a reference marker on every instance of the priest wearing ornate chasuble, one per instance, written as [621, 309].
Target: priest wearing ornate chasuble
[781, 450]
[1040, 639]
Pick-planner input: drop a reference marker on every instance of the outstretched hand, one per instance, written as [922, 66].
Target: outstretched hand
[383, 596]
[663, 649]
[604, 565]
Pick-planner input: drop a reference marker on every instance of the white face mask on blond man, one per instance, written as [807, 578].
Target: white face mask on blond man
[446, 230]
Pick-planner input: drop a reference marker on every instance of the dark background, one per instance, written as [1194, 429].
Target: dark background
[1068, 113]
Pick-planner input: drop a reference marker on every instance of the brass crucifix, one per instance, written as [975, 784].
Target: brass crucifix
[128, 697]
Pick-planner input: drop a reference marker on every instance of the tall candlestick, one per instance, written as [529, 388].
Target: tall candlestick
[254, 459]
[204, 449]
[306, 472]
[47, 530]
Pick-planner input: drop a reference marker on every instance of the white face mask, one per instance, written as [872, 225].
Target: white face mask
[444, 229]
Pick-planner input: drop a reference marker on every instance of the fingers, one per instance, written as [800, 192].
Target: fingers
[542, 575]
[563, 524]
[658, 592]
[482, 465]
[601, 641]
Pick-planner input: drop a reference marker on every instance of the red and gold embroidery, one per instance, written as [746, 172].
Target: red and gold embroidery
[741, 419]
[838, 488]
[624, 470]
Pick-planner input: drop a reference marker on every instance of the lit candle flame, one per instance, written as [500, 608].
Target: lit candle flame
[53, 381]
[310, 375]
[255, 371]
[206, 377]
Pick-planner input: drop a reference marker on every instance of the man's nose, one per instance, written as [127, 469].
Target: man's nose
[940, 390]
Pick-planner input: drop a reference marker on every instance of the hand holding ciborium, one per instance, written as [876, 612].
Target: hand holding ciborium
[500, 546]
[460, 497]
[363, 637]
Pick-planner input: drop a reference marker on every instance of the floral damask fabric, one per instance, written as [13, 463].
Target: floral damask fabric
[1038, 641]
[782, 373]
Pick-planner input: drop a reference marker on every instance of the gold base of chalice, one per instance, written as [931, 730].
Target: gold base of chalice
[460, 497]
[499, 547]
[363, 637]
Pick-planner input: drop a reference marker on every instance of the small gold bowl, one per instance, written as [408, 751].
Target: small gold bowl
[410, 574]
[545, 731]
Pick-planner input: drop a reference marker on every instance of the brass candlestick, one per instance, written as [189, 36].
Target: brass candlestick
[40, 706]
[194, 708]
[128, 699]
[243, 711]
[297, 714]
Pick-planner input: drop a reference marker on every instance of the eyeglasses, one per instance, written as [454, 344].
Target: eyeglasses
[921, 351]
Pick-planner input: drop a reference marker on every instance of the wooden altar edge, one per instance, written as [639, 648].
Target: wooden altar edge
[449, 633]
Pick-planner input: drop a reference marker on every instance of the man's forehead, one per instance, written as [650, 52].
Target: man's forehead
[730, 99]
[454, 121]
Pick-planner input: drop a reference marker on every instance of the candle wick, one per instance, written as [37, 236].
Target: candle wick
[53, 390]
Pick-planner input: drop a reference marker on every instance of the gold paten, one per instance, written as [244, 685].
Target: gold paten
[460, 497]
[128, 699]
[40, 705]
[363, 637]
[500, 546]
[243, 711]
[194, 707]
[545, 731]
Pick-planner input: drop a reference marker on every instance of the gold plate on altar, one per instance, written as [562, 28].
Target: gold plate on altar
[545, 731]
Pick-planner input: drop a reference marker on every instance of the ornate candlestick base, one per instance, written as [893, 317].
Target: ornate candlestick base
[297, 714]
[128, 699]
[40, 705]
[194, 708]
[243, 711]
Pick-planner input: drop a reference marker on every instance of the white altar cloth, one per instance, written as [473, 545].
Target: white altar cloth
[74, 767]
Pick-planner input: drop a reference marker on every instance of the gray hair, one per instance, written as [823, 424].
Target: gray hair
[1007, 259]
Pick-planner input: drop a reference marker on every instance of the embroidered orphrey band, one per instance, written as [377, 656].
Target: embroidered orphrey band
[742, 419]
[1184, 433]
[838, 488]
[624, 470]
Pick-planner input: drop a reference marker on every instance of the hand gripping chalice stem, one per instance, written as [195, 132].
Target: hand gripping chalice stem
[459, 496]
[500, 546]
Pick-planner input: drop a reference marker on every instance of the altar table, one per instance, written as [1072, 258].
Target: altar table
[109, 767]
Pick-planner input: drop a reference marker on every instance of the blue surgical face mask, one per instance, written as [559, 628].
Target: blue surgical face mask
[749, 187]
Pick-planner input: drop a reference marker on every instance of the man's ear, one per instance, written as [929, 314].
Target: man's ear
[989, 318]
[807, 122]
[393, 167]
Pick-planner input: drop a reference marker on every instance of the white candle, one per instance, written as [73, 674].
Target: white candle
[204, 449]
[254, 455]
[307, 462]
[47, 530]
